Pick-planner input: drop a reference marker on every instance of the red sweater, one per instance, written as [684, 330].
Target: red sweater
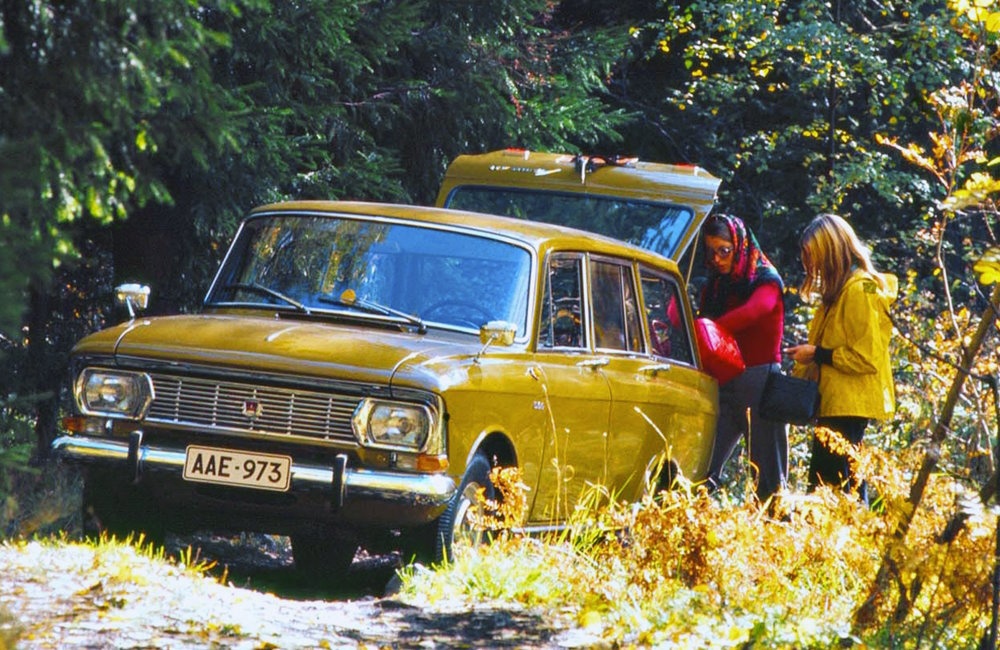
[757, 324]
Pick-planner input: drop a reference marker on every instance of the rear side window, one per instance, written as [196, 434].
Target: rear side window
[616, 310]
[664, 308]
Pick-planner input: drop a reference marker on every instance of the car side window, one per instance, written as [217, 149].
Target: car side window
[616, 311]
[562, 323]
[665, 317]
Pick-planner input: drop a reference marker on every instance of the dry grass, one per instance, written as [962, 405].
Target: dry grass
[689, 569]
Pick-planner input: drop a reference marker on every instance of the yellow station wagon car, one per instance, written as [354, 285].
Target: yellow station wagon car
[357, 369]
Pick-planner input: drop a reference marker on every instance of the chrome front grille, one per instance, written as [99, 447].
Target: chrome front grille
[235, 407]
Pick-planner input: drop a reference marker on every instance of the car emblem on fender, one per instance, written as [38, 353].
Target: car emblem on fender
[252, 409]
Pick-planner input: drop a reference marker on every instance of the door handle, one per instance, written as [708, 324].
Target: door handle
[655, 368]
[594, 363]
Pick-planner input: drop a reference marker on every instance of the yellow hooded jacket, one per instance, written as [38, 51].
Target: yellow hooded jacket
[856, 327]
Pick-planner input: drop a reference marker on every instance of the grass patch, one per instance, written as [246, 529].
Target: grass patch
[690, 569]
[108, 586]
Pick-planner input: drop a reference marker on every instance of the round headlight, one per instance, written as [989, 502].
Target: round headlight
[113, 393]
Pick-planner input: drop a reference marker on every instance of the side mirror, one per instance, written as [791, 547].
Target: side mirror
[498, 332]
[134, 296]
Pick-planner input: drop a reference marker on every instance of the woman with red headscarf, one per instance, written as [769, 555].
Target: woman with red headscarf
[744, 296]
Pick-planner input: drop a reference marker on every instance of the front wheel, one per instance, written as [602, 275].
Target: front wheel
[464, 519]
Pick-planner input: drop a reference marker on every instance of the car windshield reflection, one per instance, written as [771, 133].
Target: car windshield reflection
[408, 273]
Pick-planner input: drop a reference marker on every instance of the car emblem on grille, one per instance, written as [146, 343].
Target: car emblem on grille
[252, 409]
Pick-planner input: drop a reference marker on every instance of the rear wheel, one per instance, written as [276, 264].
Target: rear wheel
[463, 520]
[319, 556]
[662, 475]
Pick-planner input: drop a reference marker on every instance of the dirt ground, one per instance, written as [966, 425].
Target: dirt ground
[63, 596]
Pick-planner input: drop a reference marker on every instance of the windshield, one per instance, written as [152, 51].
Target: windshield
[376, 268]
[659, 227]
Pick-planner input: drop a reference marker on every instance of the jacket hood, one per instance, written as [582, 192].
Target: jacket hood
[891, 291]
[314, 348]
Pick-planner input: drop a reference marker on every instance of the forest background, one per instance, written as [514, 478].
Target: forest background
[133, 136]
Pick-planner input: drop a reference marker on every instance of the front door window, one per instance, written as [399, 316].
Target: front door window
[562, 323]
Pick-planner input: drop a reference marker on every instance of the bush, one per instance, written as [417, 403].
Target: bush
[34, 499]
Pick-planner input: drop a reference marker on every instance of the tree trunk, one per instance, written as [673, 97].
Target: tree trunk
[41, 381]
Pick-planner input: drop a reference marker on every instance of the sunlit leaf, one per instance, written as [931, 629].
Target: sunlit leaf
[988, 266]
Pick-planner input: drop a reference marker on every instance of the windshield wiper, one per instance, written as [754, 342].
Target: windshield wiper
[350, 299]
[267, 291]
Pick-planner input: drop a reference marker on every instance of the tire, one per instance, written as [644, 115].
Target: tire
[668, 477]
[457, 521]
[117, 508]
[322, 557]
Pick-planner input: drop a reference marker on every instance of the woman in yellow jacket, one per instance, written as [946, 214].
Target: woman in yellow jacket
[848, 342]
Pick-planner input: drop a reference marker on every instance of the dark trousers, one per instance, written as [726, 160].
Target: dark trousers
[831, 468]
[766, 440]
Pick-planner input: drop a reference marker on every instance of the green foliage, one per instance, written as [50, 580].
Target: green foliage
[16, 445]
[181, 116]
[959, 234]
[32, 501]
[88, 92]
[784, 101]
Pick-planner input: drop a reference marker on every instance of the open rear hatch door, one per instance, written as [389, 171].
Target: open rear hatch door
[655, 205]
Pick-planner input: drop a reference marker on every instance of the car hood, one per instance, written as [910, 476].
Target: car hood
[319, 349]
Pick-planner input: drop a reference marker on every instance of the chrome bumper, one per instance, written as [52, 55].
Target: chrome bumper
[345, 483]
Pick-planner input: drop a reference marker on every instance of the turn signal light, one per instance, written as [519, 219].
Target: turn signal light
[74, 424]
[427, 463]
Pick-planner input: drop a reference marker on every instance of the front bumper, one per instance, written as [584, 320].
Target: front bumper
[345, 484]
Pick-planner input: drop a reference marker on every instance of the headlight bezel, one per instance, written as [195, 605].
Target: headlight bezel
[135, 388]
[373, 418]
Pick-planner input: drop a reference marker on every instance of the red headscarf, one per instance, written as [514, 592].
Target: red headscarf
[750, 269]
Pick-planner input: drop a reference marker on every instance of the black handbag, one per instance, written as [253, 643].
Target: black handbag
[789, 399]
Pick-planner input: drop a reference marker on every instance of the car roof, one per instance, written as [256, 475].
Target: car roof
[540, 236]
[630, 178]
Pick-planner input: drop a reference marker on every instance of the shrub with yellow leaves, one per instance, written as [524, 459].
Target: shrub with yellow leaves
[689, 568]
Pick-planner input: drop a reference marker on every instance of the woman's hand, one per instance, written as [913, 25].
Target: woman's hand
[804, 353]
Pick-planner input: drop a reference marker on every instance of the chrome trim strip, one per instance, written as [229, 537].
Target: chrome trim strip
[358, 484]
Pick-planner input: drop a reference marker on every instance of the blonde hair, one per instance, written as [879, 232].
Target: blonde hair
[830, 252]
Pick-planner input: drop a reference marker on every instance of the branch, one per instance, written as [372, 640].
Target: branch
[867, 613]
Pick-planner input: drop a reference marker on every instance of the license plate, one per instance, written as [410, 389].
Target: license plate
[229, 467]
